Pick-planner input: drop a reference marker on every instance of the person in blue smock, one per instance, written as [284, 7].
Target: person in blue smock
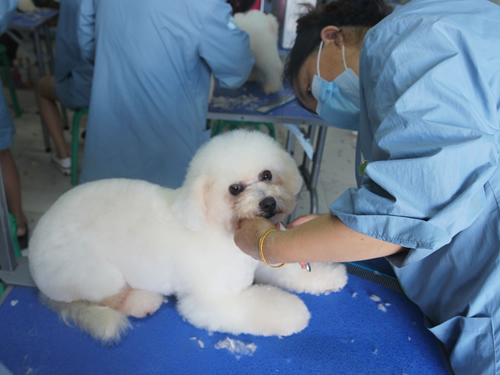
[151, 84]
[10, 174]
[427, 159]
[72, 80]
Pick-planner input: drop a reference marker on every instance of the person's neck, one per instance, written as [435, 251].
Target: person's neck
[352, 57]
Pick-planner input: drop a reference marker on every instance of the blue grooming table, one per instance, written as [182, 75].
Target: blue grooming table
[32, 23]
[363, 329]
[242, 105]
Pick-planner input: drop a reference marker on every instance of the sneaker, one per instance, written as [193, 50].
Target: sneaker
[64, 165]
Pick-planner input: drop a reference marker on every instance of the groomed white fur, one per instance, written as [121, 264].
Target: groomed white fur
[113, 248]
[263, 31]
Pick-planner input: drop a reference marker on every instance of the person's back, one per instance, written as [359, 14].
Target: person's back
[429, 132]
[151, 84]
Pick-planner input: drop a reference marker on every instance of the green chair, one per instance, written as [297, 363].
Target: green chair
[221, 125]
[13, 233]
[8, 79]
[79, 112]
[15, 243]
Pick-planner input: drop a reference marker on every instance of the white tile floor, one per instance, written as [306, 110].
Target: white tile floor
[42, 184]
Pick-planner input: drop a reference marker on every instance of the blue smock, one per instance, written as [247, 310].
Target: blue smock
[73, 70]
[7, 130]
[150, 91]
[429, 132]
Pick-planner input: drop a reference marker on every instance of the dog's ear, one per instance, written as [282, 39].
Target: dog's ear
[191, 205]
[294, 180]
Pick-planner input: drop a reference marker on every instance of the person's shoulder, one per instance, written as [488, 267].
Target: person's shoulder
[431, 12]
[201, 6]
[423, 18]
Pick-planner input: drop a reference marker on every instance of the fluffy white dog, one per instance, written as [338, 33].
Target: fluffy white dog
[263, 31]
[113, 248]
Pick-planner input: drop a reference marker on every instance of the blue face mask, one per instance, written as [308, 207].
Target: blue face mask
[338, 101]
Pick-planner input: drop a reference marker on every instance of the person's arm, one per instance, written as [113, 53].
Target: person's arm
[7, 8]
[86, 30]
[322, 239]
[225, 47]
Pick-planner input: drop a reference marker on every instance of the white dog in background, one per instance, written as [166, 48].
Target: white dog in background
[113, 248]
[26, 6]
[263, 31]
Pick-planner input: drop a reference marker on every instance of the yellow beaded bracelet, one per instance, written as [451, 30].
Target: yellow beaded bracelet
[261, 250]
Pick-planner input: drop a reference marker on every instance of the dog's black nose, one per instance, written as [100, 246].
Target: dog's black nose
[268, 207]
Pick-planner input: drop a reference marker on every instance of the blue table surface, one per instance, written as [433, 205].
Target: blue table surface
[365, 329]
[248, 98]
[31, 20]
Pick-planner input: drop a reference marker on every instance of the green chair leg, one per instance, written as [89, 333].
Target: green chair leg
[13, 233]
[10, 81]
[79, 112]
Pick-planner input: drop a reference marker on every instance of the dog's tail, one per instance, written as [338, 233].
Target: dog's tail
[101, 322]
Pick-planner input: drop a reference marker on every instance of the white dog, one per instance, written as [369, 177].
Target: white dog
[263, 31]
[113, 248]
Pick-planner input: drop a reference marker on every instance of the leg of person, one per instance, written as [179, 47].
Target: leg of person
[12, 186]
[46, 98]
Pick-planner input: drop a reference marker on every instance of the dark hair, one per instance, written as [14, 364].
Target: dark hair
[361, 14]
[240, 6]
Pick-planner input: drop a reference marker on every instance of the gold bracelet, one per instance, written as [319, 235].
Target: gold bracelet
[261, 250]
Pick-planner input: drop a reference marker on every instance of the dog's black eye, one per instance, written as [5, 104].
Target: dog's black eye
[235, 189]
[266, 176]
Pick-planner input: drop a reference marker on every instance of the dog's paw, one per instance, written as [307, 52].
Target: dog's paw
[278, 313]
[323, 278]
[259, 310]
[271, 86]
[139, 303]
[271, 311]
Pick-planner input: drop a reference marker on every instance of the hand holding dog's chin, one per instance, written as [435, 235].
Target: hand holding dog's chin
[301, 220]
[248, 234]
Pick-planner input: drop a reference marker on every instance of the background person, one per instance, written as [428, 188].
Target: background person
[72, 80]
[151, 84]
[10, 174]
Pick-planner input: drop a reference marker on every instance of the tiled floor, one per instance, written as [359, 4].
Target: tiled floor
[42, 184]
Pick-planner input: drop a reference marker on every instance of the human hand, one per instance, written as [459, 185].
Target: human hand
[301, 220]
[248, 234]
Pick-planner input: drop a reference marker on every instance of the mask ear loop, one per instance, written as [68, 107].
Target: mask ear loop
[319, 55]
[343, 57]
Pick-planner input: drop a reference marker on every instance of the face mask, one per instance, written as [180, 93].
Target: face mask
[338, 101]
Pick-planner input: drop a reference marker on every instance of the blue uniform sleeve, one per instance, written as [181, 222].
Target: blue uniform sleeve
[429, 133]
[86, 30]
[225, 47]
[7, 8]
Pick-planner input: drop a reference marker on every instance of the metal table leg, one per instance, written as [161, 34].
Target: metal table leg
[310, 172]
[48, 44]
[316, 164]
